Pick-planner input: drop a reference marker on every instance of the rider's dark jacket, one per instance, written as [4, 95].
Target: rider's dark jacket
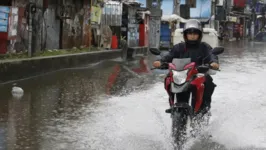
[196, 52]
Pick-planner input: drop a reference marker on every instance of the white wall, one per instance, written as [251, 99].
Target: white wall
[221, 3]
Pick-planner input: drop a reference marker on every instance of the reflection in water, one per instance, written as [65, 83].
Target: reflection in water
[64, 94]
[112, 78]
[3, 125]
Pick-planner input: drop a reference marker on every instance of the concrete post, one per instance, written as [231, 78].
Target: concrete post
[154, 23]
[254, 2]
[30, 30]
[176, 7]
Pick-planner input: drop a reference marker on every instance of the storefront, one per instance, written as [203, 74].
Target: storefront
[135, 21]
[8, 27]
[111, 23]
[235, 27]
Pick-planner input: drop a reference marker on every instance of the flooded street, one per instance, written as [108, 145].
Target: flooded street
[121, 106]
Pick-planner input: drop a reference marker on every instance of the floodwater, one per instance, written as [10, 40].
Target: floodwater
[117, 106]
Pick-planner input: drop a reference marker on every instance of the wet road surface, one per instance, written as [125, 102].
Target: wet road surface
[116, 106]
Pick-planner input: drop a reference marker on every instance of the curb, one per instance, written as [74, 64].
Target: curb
[21, 68]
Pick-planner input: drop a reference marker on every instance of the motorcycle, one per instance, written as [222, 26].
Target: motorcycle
[187, 80]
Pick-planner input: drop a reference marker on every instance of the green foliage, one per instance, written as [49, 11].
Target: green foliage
[48, 53]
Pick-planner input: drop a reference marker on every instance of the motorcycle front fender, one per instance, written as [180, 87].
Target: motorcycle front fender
[179, 88]
[199, 84]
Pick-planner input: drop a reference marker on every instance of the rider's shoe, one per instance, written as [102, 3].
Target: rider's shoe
[169, 110]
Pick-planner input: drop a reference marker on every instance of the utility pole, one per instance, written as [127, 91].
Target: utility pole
[30, 29]
[254, 2]
[253, 7]
[176, 9]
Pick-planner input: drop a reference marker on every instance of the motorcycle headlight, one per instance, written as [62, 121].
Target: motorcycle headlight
[179, 76]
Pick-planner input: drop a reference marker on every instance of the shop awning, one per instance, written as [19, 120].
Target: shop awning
[240, 14]
[173, 17]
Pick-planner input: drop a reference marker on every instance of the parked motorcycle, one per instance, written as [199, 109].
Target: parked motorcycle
[185, 78]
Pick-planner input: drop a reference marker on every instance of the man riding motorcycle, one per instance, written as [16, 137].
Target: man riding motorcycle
[199, 52]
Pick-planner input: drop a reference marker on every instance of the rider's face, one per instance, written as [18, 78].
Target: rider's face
[192, 36]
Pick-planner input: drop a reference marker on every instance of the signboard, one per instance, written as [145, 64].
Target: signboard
[3, 28]
[13, 24]
[3, 22]
[239, 3]
[232, 19]
[112, 14]
[96, 13]
[4, 11]
[3, 15]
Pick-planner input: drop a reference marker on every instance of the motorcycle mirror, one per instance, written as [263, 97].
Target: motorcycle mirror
[217, 50]
[155, 51]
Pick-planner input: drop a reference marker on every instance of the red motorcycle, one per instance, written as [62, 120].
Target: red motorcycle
[188, 82]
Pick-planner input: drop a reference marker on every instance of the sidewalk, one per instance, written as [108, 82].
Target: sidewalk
[46, 53]
[17, 68]
[20, 66]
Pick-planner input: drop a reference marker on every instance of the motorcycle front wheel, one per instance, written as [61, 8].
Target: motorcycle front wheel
[180, 120]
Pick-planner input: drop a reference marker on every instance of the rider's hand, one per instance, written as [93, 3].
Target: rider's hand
[215, 65]
[157, 64]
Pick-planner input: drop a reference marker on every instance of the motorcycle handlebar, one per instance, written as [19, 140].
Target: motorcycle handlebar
[206, 67]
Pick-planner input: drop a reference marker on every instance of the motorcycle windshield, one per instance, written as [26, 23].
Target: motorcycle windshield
[180, 63]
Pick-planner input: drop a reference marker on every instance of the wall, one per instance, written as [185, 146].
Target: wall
[38, 27]
[20, 42]
[229, 5]
[19, 3]
[39, 33]
[66, 33]
[154, 24]
[86, 24]
[46, 26]
[154, 31]
[147, 21]
[52, 27]
[133, 28]
[112, 14]
[72, 31]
